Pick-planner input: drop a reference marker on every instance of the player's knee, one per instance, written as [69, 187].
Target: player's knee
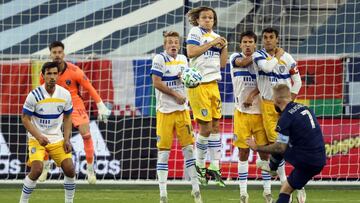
[205, 128]
[69, 171]
[243, 154]
[215, 126]
[36, 170]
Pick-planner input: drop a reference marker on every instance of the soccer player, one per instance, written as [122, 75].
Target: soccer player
[45, 110]
[299, 140]
[274, 66]
[247, 116]
[172, 113]
[207, 52]
[71, 77]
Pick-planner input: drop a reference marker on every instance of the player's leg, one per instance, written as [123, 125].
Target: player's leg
[185, 136]
[69, 179]
[215, 139]
[164, 131]
[36, 155]
[241, 134]
[46, 168]
[64, 160]
[270, 119]
[81, 120]
[201, 108]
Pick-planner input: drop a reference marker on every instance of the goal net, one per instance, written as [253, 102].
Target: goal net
[114, 41]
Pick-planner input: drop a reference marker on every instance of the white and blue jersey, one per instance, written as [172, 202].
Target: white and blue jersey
[47, 111]
[300, 130]
[208, 63]
[168, 68]
[244, 82]
[279, 75]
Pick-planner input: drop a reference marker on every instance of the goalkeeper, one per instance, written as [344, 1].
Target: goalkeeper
[299, 140]
[71, 77]
[207, 52]
[172, 113]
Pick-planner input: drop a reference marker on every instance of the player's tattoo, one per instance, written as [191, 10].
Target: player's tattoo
[277, 148]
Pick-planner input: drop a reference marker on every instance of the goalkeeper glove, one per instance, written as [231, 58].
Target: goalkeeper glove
[103, 112]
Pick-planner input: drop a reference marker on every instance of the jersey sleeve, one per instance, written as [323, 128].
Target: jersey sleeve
[30, 103]
[292, 65]
[158, 65]
[194, 36]
[84, 81]
[233, 58]
[68, 104]
[283, 128]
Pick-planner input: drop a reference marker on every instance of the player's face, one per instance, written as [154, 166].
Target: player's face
[172, 46]
[270, 41]
[206, 19]
[50, 77]
[247, 45]
[57, 54]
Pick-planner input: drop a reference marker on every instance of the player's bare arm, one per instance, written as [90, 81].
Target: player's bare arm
[67, 133]
[161, 86]
[223, 55]
[243, 62]
[276, 148]
[26, 120]
[250, 98]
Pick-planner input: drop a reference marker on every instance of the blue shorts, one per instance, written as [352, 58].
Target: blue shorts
[300, 176]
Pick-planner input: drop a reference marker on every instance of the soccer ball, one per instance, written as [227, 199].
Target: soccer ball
[191, 77]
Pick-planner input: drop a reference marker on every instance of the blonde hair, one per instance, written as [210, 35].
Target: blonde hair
[194, 15]
[170, 34]
[281, 91]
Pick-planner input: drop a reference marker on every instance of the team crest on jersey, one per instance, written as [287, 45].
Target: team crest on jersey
[33, 150]
[204, 112]
[282, 69]
[60, 109]
[278, 129]
[68, 82]
[234, 137]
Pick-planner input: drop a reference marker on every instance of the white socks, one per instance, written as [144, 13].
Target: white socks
[215, 151]
[281, 171]
[28, 187]
[266, 182]
[201, 150]
[190, 167]
[243, 170]
[69, 187]
[162, 171]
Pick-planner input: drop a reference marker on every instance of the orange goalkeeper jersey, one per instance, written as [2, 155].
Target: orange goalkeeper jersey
[71, 79]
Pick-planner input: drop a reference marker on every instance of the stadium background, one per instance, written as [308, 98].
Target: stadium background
[113, 41]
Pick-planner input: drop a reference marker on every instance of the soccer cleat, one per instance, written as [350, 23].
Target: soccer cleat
[201, 173]
[301, 196]
[45, 171]
[268, 197]
[216, 175]
[264, 165]
[244, 198]
[197, 197]
[163, 199]
[91, 177]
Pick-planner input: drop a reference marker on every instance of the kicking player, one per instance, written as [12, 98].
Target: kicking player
[274, 66]
[71, 77]
[45, 110]
[207, 52]
[172, 113]
[299, 140]
[247, 116]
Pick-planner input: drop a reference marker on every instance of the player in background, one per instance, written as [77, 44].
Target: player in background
[45, 110]
[274, 66]
[299, 140]
[208, 53]
[247, 116]
[172, 113]
[71, 77]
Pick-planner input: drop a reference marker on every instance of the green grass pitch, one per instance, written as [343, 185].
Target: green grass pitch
[179, 194]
